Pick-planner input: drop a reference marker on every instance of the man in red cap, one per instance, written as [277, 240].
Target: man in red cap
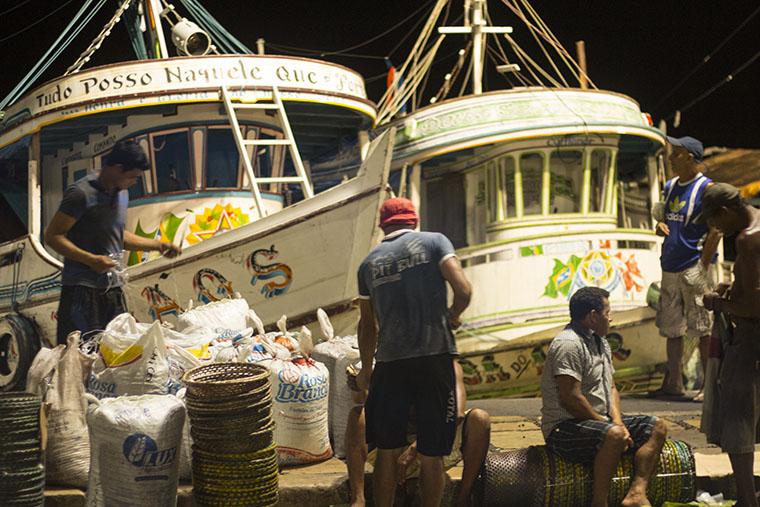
[402, 290]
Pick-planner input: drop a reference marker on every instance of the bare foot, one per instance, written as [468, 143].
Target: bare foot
[635, 499]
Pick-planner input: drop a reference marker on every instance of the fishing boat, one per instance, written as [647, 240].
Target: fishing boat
[231, 137]
[543, 186]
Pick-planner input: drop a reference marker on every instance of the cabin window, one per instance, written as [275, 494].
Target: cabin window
[507, 166]
[222, 159]
[600, 171]
[171, 157]
[14, 174]
[566, 169]
[264, 158]
[532, 176]
[445, 208]
[138, 189]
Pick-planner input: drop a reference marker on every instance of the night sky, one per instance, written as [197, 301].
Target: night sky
[639, 48]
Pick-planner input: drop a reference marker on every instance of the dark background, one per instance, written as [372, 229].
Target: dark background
[642, 48]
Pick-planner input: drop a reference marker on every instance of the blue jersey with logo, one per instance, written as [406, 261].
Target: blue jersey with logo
[682, 248]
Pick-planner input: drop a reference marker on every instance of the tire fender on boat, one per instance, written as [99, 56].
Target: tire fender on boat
[19, 343]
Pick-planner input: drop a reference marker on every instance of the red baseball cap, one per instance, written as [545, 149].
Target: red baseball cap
[398, 211]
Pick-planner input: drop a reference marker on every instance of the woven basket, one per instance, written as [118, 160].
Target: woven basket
[234, 423]
[224, 380]
[242, 443]
[537, 477]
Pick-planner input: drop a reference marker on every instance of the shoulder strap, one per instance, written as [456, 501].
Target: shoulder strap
[695, 191]
[669, 186]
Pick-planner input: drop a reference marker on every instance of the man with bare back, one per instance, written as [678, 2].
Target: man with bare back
[739, 380]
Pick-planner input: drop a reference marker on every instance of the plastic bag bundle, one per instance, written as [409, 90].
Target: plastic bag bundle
[130, 362]
[135, 450]
[337, 353]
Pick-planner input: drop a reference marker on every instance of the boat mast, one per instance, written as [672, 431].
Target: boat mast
[158, 42]
[476, 25]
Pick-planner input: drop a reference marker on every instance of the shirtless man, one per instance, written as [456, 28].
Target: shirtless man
[723, 208]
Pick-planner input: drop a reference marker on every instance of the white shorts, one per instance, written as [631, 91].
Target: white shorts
[680, 310]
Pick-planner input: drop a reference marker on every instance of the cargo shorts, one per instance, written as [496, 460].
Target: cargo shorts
[739, 389]
[680, 311]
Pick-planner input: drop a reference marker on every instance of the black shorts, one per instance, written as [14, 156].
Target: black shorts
[87, 309]
[426, 384]
[578, 440]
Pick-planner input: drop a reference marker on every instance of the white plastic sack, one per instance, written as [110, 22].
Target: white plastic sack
[135, 449]
[56, 376]
[337, 354]
[299, 403]
[227, 314]
[130, 363]
[186, 448]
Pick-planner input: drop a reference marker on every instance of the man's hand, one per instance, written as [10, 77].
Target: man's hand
[404, 460]
[662, 229]
[628, 439]
[709, 300]
[101, 263]
[362, 380]
[169, 250]
[722, 289]
[454, 320]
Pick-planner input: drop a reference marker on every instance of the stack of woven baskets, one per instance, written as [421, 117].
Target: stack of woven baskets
[234, 456]
[22, 475]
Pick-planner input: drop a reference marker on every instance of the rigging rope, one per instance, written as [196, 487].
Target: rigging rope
[52, 54]
[32, 25]
[720, 83]
[11, 9]
[85, 56]
[706, 58]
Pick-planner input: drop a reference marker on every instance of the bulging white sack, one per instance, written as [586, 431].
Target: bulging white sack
[135, 451]
[299, 403]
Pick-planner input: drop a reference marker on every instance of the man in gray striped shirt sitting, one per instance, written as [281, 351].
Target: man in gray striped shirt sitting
[581, 417]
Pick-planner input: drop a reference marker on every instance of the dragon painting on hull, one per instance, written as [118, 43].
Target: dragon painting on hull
[160, 303]
[210, 285]
[279, 274]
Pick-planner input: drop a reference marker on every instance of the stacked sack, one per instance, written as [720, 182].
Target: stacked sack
[337, 353]
[22, 475]
[234, 457]
[57, 375]
[300, 387]
[135, 450]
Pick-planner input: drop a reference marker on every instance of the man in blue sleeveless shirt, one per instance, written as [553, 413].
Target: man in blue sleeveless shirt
[402, 288]
[687, 253]
[88, 231]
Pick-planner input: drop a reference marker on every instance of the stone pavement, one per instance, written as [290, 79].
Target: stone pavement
[326, 483]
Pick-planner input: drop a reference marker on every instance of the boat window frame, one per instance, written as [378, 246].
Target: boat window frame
[495, 209]
[246, 129]
[191, 158]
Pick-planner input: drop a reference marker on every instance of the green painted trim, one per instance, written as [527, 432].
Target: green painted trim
[643, 373]
[510, 312]
[586, 191]
[546, 183]
[475, 248]
[611, 202]
[571, 218]
[518, 187]
[504, 327]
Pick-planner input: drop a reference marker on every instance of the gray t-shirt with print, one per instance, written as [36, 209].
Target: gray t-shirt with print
[402, 276]
[586, 357]
[99, 228]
